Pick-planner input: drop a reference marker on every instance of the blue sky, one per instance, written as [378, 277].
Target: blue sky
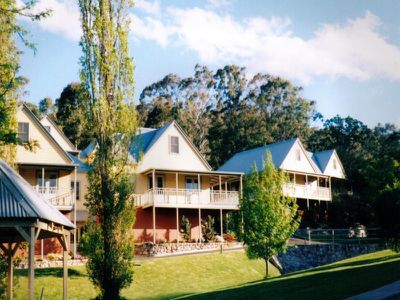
[345, 53]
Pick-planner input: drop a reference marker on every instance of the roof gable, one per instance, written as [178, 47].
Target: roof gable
[48, 152]
[299, 160]
[329, 163]
[245, 161]
[20, 200]
[154, 145]
[58, 135]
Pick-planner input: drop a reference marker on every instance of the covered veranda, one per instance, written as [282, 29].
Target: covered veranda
[25, 216]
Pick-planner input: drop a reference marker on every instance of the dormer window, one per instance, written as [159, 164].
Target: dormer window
[23, 132]
[174, 144]
[298, 154]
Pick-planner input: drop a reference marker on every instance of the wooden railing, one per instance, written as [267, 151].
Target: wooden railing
[307, 191]
[187, 197]
[61, 198]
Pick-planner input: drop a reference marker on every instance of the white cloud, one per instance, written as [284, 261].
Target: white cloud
[152, 8]
[64, 19]
[354, 50]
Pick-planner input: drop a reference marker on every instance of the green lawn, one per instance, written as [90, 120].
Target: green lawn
[336, 281]
[160, 278]
[166, 278]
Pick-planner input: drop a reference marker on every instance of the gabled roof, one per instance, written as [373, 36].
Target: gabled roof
[322, 158]
[145, 140]
[45, 131]
[61, 133]
[18, 200]
[244, 161]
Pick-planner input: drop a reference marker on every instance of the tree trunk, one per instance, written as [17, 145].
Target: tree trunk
[266, 267]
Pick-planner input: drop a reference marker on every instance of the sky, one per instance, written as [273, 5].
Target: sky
[344, 53]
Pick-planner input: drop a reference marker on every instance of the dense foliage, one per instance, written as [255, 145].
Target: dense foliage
[224, 111]
[109, 114]
[269, 219]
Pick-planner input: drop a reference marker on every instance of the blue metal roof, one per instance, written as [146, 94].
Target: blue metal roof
[322, 158]
[18, 200]
[82, 167]
[244, 161]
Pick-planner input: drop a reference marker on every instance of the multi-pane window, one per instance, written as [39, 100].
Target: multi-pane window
[192, 183]
[174, 144]
[77, 192]
[23, 132]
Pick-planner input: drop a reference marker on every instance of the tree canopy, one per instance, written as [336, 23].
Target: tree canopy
[269, 218]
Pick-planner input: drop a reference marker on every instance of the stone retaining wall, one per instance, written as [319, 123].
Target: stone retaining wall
[303, 257]
[150, 249]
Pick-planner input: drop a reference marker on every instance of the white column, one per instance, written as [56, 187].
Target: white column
[65, 269]
[200, 235]
[177, 226]
[226, 190]
[153, 179]
[221, 222]
[198, 187]
[154, 224]
[220, 188]
[74, 197]
[31, 271]
[10, 272]
[43, 191]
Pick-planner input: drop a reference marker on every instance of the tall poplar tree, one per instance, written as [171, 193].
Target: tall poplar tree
[107, 77]
[269, 218]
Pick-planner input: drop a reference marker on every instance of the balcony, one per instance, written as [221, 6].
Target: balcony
[307, 191]
[62, 199]
[187, 198]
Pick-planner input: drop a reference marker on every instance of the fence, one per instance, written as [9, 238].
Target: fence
[358, 235]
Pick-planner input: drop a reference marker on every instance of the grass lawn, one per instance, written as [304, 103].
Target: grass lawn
[335, 281]
[166, 278]
[160, 278]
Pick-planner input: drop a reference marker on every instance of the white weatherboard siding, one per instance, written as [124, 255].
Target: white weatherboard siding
[292, 163]
[46, 153]
[57, 136]
[330, 169]
[159, 155]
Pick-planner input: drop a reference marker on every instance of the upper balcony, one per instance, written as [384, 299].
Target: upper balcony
[188, 198]
[62, 199]
[307, 191]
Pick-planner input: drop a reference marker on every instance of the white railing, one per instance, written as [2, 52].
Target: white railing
[61, 198]
[188, 198]
[305, 191]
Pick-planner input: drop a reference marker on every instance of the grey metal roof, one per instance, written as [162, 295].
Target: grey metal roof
[322, 158]
[18, 200]
[244, 161]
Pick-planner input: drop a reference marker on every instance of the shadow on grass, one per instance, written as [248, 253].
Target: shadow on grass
[51, 272]
[330, 284]
[347, 264]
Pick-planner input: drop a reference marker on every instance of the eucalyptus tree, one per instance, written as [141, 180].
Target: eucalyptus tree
[107, 79]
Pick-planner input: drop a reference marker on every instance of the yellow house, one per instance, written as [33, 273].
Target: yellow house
[174, 180]
[50, 170]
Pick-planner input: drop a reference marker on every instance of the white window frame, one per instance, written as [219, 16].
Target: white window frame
[23, 133]
[171, 137]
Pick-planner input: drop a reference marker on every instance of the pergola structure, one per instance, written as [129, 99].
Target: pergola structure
[25, 216]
